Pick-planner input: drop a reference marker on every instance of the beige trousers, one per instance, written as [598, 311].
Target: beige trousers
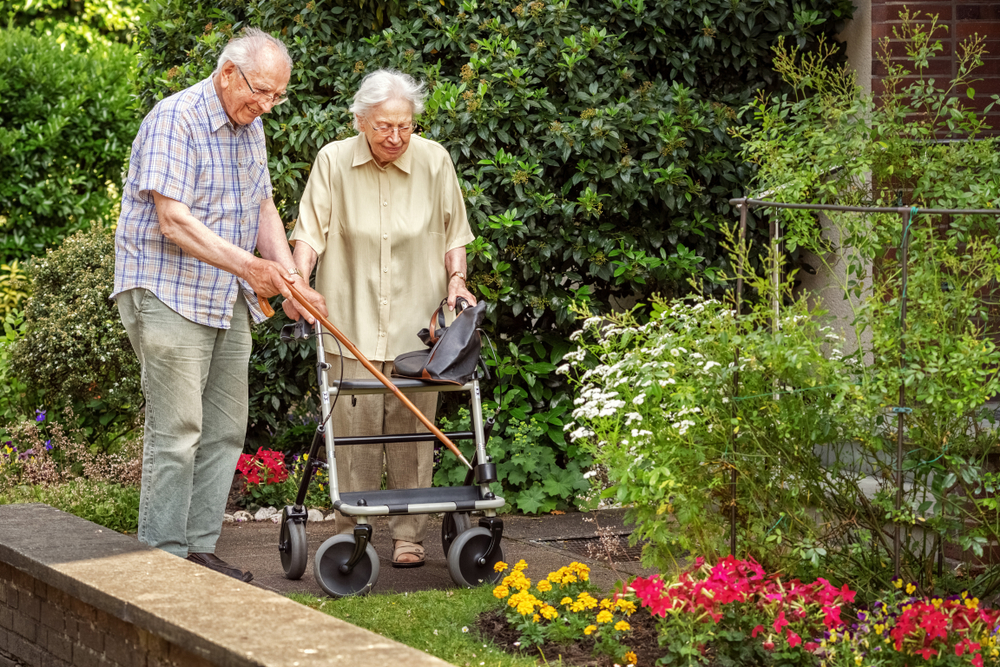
[359, 467]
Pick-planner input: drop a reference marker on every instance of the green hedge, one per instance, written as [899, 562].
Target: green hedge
[66, 125]
[591, 137]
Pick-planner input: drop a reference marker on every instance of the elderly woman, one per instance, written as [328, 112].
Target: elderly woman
[383, 217]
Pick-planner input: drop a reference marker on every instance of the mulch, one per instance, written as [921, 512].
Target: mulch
[643, 639]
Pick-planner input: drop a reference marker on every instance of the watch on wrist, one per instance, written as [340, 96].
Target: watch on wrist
[460, 274]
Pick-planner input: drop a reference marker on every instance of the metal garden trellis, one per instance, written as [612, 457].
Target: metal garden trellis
[907, 213]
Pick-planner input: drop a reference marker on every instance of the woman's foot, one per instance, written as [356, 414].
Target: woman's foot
[407, 554]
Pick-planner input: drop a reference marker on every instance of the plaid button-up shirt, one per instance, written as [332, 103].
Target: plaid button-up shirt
[188, 150]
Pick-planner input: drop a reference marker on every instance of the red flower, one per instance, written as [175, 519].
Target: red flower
[757, 631]
[977, 660]
[793, 639]
[780, 622]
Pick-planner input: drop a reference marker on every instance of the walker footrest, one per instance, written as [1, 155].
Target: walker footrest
[415, 501]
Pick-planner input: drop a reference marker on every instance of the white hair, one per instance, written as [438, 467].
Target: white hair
[383, 85]
[246, 51]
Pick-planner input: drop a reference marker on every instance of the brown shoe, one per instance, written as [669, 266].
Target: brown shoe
[213, 562]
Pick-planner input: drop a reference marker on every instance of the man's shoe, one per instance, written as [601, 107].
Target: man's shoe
[213, 562]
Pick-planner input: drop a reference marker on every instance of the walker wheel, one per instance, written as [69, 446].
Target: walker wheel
[293, 547]
[464, 556]
[453, 525]
[335, 552]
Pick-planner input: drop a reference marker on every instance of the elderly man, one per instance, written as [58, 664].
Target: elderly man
[384, 215]
[196, 202]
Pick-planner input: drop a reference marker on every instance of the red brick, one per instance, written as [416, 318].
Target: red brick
[53, 617]
[59, 646]
[123, 653]
[7, 618]
[91, 636]
[26, 627]
[29, 605]
[23, 580]
[87, 657]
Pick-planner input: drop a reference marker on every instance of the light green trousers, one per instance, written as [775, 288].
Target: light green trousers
[359, 467]
[194, 380]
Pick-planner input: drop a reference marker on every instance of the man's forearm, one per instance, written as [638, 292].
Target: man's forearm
[186, 231]
[271, 240]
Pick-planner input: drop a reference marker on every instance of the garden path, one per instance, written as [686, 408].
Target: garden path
[546, 543]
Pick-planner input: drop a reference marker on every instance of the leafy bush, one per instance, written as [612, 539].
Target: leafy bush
[66, 126]
[75, 23]
[15, 399]
[590, 138]
[269, 482]
[75, 348]
[532, 479]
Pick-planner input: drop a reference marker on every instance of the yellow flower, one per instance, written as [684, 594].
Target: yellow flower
[536, 618]
[898, 583]
[566, 601]
[622, 626]
[544, 586]
[857, 660]
[589, 630]
[605, 617]
[549, 612]
[630, 658]
[626, 605]
[500, 592]
[607, 604]
[500, 566]
[520, 565]
[910, 588]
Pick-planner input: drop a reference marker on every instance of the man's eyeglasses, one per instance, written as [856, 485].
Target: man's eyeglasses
[274, 99]
[388, 130]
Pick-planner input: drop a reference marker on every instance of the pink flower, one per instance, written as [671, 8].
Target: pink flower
[793, 639]
[756, 631]
[780, 622]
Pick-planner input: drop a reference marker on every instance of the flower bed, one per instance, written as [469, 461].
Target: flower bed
[734, 613]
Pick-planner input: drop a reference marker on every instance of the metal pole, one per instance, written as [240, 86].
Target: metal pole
[736, 380]
[904, 245]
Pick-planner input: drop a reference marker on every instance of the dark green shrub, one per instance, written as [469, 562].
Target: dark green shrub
[75, 348]
[66, 127]
[591, 138]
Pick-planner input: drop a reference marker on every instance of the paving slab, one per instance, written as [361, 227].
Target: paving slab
[540, 541]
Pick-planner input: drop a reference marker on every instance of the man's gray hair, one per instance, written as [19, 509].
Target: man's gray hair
[246, 51]
[383, 85]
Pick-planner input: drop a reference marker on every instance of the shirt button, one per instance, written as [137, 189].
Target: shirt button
[385, 301]
[385, 236]
[385, 203]
[381, 334]
[385, 269]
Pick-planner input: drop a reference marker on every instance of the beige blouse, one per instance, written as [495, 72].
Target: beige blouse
[381, 236]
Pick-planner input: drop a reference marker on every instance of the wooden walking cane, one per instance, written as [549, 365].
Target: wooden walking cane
[266, 307]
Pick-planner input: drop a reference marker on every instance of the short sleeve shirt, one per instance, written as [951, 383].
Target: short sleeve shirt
[381, 235]
[187, 149]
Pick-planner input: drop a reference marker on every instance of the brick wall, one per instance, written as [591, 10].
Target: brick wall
[43, 626]
[963, 18]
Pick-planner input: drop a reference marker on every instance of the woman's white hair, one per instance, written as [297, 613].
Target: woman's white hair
[383, 85]
[247, 50]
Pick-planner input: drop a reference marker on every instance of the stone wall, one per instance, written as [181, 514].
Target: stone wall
[74, 593]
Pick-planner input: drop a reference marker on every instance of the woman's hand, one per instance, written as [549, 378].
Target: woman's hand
[295, 310]
[456, 290]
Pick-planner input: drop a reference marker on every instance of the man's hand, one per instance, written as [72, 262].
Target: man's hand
[266, 278]
[456, 290]
[295, 310]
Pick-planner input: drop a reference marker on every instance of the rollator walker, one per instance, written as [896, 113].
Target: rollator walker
[347, 564]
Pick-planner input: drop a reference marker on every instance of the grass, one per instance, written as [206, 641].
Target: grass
[442, 623]
[111, 505]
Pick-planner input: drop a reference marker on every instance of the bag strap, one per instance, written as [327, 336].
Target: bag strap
[439, 316]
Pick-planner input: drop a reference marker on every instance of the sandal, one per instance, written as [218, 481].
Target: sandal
[402, 547]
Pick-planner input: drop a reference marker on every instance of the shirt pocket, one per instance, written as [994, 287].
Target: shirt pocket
[259, 180]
